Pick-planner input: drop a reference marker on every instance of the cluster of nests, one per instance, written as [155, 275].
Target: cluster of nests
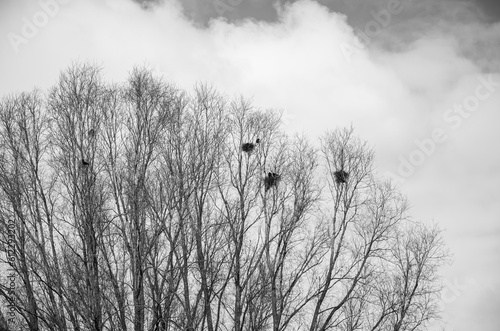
[272, 178]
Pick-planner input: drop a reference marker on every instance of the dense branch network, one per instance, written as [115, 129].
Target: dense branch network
[143, 207]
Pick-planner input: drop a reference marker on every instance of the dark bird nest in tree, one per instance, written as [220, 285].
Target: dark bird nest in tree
[249, 147]
[341, 176]
[271, 180]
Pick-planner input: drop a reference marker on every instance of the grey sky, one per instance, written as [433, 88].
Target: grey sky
[418, 17]
[357, 11]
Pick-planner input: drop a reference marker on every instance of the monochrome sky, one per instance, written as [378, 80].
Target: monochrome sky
[431, 70]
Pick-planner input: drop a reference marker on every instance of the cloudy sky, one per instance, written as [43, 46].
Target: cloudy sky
[418, 79]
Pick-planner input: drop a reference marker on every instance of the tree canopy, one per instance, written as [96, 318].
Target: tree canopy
[138, 206]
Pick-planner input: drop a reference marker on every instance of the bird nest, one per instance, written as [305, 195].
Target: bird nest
[271, 180]
[247, 147]
[341, 176]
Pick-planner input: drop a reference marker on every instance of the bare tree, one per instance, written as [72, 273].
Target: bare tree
[417, 254]
[76, 105]
[27, 201]
[293, 242]
[15, 166]
[141, 206]
[240, 194]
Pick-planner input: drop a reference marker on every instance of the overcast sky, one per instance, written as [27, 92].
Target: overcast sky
[429, 73]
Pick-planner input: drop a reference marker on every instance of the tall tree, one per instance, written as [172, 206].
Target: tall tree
[140, 206]
[76, 105]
